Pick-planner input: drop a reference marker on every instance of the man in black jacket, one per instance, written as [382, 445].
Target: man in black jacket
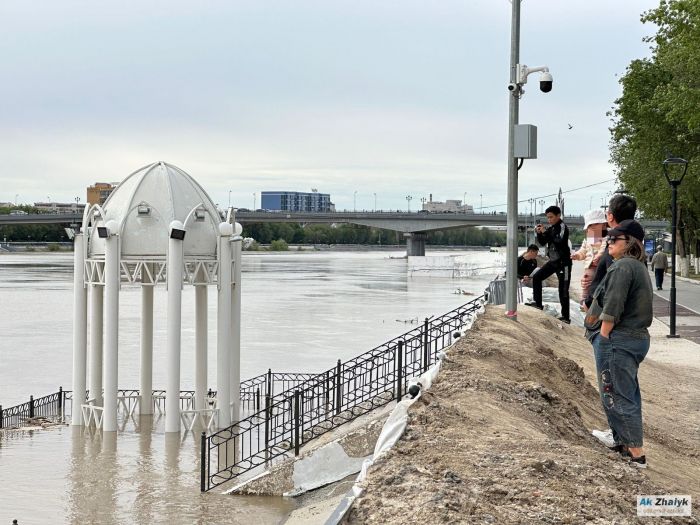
[620, 208]
[527, 263]
[556, 238]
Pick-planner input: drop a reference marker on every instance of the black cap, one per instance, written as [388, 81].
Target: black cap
[630, 228]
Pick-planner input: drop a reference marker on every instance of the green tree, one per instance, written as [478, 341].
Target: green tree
[658, 115]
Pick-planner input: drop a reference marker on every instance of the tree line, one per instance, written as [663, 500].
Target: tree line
[658, 116]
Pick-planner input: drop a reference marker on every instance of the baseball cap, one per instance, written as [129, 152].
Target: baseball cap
[628, 227]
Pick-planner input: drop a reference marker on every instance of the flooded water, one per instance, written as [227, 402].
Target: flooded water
[301, 313]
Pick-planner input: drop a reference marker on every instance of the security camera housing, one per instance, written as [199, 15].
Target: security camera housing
[102, 232]
[512, 86]
[546, 82]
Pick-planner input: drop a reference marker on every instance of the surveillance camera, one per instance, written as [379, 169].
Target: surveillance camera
[546, 82]
[512, 86]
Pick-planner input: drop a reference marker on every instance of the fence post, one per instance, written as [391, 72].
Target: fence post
[267, 427]
[31, 406]
[338, 388]
[257, 399]
[268, 383]
[60, 401]
[327, 388]
[296, 422]
[399, 370]
[0, 416]
[426, 351]
[203, 462]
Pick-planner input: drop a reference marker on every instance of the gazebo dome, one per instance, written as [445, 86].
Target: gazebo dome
[144, 205]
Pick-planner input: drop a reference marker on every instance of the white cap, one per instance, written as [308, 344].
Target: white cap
[594, 217]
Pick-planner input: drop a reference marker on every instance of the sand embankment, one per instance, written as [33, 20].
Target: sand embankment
[504, 435]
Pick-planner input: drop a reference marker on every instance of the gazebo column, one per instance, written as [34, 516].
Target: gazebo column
[146, 372]
[175, 263]
[237, 247]
[79, 329]
[200, 365]
[223, 326]
[111, 319]
[96, 334]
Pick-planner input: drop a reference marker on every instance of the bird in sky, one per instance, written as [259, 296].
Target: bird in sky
[570, 126]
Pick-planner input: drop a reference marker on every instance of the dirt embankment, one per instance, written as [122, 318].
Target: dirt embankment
[504, 436]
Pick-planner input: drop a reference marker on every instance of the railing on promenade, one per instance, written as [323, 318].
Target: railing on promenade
[49, 406]
[59, 404]
[327, 400]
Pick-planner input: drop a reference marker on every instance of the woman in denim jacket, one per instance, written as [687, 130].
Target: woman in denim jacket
[616, 326]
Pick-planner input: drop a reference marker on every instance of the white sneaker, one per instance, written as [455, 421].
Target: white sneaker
[605, 437]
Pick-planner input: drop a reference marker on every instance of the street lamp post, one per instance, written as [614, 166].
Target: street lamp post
[676, 166]
[255, 197]
[464, 202]
[512, 200]
[409, 198]
[229, 198]
[481, 201]
[354, 201]
[375, 202]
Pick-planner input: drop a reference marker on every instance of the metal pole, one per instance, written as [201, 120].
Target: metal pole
[674, 210]
[60, 402]
[146, 371]
[235, 370]
[512, 213]
[338, 388]
[296, 423]
[203, 462]
[426, 354]
[31, 406]
[399, 370]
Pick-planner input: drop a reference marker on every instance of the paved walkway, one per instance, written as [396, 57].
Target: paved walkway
[687, 307]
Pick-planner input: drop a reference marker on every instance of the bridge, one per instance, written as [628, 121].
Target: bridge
[414, 225]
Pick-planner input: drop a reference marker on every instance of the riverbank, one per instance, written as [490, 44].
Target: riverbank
[504, 434]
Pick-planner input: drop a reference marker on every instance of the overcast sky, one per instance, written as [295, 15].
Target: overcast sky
[395, 98]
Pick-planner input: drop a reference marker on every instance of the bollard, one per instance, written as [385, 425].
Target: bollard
[203, 463]
[296, 423]
[399, 370]
[31, 406]
[338, 388]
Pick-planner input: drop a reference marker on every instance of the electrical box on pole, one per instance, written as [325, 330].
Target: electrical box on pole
[525, 141]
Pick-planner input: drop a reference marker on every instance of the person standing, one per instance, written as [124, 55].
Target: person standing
[659, 263]
[592, 246]
[556, 238]
[616, 325]
[620, 208]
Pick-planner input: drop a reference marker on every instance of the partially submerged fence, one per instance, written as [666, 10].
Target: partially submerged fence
[49, 406]
[327, 400]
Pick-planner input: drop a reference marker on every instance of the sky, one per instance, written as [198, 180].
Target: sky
[355, 98]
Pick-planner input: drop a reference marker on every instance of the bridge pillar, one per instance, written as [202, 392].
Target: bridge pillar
[415, 243]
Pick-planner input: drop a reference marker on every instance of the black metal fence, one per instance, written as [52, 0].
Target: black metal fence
[327, 400]
[59, 404]
[49, 406]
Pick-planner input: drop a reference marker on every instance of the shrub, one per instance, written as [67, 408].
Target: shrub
[279, 245]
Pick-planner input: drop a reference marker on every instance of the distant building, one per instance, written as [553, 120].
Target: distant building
[59, 207]
[98, 192]
[296, 201]
[449, 206]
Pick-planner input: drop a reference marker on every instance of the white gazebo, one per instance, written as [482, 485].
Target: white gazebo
[157, 226]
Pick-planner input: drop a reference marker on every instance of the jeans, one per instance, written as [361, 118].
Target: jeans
[659, 274]
[617, 360]
[564, 276]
